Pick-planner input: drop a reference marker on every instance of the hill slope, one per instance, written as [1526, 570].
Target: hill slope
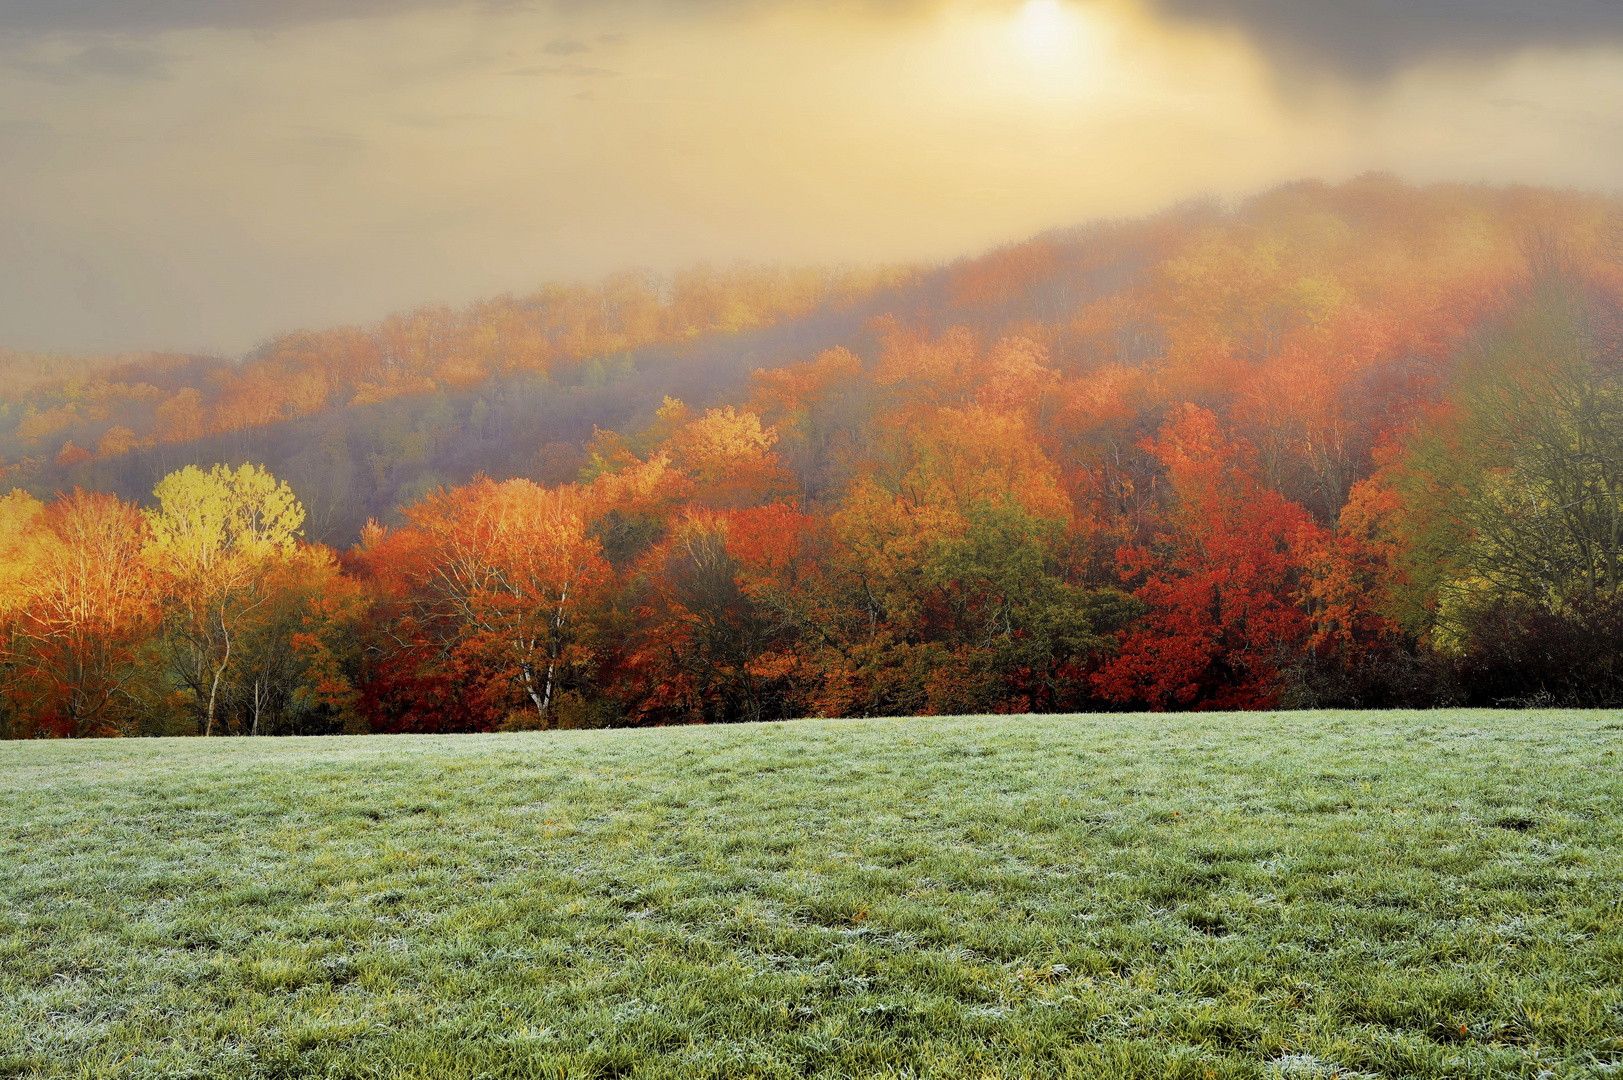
[1314, 292]
[1347, 445]
[373, 401]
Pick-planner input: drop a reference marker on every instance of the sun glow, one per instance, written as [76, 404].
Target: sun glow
[1047, 30]
[453, 150]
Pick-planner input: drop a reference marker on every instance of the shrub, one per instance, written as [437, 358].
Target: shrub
[1526, 655]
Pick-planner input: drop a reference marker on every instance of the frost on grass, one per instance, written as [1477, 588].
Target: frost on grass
[1308, 1067]
[1294, 895]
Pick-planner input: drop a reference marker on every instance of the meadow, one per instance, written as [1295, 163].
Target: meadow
[1315, 894]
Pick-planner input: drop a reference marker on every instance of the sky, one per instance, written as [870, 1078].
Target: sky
[198, 175]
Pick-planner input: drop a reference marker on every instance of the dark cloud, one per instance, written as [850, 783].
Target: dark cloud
[1371, 39]
[1365, 39]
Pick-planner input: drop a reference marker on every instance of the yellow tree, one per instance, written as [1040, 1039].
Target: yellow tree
[22, 537]
[728, 454]
[218, 539]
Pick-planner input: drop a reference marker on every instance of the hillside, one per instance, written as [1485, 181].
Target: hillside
[363, 419]
[367, 417]
[1337, 445]
[359, 461]
[1423, 894]
[1311, 316]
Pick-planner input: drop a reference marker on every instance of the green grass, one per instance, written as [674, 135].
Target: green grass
[1309, 894]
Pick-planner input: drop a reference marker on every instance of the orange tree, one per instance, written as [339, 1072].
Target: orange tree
[88, 609]
[490, 581]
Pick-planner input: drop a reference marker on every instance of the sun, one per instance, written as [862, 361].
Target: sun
[1044, 27]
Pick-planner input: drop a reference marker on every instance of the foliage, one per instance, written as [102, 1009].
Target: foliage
[1338, 445]
[221, 540]
[1510, 495]
[491, 580]
[1221, 584]
[86, 609]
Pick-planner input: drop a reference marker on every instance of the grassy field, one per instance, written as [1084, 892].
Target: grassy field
[1295, 895]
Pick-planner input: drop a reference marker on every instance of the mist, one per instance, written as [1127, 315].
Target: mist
[200, 181]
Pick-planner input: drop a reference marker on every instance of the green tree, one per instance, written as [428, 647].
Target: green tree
[1517, 491]
[1001, 583]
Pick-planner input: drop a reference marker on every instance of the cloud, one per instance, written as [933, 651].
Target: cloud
[575, 70]
[33, 17]
[438, 121]
[335, 140]
[110, 61]
[306, 165]
[24, 129]
[1373, 39]
[1362, 39]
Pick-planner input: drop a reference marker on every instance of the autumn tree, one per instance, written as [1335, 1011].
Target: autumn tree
[87, 611]
[1510, 492]
[22, 540]
[498, 576]
[946, 554]
[295, 670]
[702, 631]
[219, 540]
[722, 604]
[1221, 582]
[819, 409]
[727, 454]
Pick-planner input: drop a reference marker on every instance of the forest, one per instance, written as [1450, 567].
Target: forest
[1356, 445]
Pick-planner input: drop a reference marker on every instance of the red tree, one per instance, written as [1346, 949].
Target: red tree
[1222, 581]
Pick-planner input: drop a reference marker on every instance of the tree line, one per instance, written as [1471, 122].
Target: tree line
[1345, 446]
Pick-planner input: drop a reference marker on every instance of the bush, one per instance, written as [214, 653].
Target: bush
[1526, 655]
[1398, 677]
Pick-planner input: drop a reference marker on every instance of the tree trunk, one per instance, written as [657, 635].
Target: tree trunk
[219, 672]
[536, 698]
[546, 694]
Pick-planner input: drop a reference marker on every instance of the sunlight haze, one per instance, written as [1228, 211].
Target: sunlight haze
[180, 182]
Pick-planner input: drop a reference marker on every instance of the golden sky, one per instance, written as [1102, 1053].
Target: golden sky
[174, 180]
